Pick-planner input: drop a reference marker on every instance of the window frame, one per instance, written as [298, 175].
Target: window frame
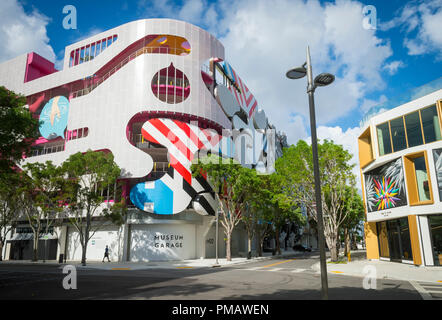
[411, 179]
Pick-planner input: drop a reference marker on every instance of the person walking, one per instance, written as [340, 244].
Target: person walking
[106, 254]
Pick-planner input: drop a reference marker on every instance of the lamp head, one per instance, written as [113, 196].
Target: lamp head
[324, 79]
[296, 73]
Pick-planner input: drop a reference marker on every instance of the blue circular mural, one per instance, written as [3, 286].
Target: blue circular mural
[54, 118]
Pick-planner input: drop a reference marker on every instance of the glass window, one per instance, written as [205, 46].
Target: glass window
[414, 131]
[405, 239]
[430, 123]
[398, 134]
[422, 178]
[383, 239]
[435, 224]
[103, 45]
[87, 55]
[82, 56]
[437, 157]
[92, 51]
[98, 50]
[383, 139]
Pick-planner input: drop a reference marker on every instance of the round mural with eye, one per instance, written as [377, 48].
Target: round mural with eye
[170, 85]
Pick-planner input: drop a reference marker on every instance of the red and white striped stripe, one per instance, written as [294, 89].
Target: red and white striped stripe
[182, 141]
[246, 99]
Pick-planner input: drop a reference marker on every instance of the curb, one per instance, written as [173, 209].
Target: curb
[316, 268]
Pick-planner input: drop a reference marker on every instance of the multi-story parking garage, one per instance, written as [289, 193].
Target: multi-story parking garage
[135, 91]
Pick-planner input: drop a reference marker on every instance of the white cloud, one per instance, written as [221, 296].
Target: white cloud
[349, 141]
[422, 22]
[264, 39]
[393, 67]
[22, 33]
[367, 104]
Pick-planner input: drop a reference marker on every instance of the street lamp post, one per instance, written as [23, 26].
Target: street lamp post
[321, 80]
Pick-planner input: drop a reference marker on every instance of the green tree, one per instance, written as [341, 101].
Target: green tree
[227, 178]
[9, 185]
[88, 175]
[296, 170]
[354, 208]
[41, 196]
[18, 129]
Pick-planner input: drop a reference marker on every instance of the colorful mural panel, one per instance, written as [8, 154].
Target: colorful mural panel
[54, 118]
[385, 187]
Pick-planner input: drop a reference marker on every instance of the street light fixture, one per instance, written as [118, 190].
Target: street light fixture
[321, 80]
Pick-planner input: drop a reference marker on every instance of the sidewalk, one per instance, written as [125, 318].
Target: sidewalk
[384, 269]
[181, 264]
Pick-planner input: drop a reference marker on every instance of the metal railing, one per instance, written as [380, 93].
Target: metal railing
[144, 50]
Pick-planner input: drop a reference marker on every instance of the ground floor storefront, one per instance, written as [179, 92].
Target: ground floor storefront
[142, 238]
[413, 239]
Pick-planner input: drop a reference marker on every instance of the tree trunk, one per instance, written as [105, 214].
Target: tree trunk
[353, 242]
[258, 238]
[1, 250]
[278, 244]
[249, 245]
[228, 251]
[35, 248]
[334, 252]
[346, 242]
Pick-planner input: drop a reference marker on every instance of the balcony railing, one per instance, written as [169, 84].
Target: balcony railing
[144, 50]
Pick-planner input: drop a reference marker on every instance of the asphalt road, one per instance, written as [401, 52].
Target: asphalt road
[276, 279]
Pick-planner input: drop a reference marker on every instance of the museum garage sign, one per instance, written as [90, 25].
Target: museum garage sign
[168, 241]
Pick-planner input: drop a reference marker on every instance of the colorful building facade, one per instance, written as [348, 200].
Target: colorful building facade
[155, 93]
[401, 169]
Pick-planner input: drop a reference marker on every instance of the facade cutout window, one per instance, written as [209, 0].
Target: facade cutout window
[418, 180]
[170, 85]
[90, 51]
[47, 148]
[77, 134]
[384, 141]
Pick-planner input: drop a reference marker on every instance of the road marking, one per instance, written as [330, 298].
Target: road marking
[337, 271]
[298, 270]
[424, 294]
[275, 269]
[251, 269]
[184, 267]
[275, 264]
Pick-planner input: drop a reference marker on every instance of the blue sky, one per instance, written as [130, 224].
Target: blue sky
[263, 39]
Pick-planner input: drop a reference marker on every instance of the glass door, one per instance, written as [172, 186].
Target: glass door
[394, 240]
[435, 223]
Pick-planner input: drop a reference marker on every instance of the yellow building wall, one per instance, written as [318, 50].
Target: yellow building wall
[371, 240]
